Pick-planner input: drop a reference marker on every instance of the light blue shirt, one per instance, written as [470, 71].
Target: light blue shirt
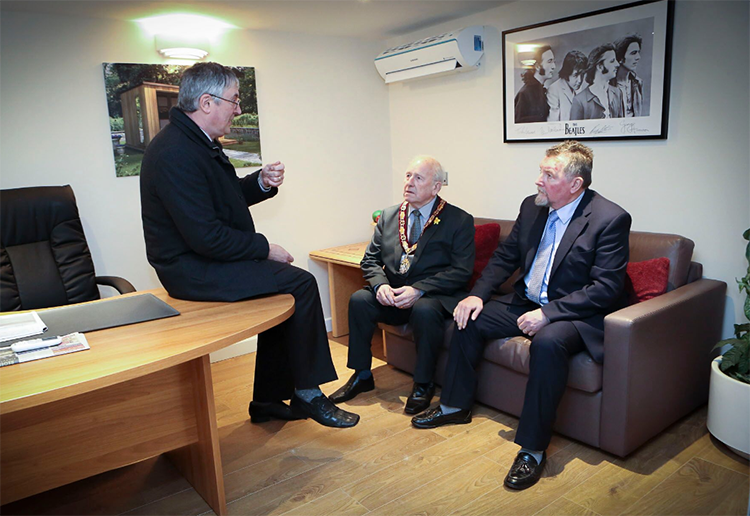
[564, 215]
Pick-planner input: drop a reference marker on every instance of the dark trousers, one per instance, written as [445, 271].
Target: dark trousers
[548, 368]
[295, 353]
[427, 318]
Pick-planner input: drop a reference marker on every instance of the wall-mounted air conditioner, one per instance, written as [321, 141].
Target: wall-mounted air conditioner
[453, 51]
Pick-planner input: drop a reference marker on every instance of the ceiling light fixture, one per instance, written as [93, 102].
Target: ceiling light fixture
[184, 36]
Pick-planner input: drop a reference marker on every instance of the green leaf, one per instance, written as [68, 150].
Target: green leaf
[746, 234]
[725, 342]
[741, 327]
[731, 358]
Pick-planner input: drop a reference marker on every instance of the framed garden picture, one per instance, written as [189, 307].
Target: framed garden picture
[601, 75]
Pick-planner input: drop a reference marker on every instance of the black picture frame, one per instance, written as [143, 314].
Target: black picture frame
[635, 87]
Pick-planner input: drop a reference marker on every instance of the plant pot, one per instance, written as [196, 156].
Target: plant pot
[729, 411]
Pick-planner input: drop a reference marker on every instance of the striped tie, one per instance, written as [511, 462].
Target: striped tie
[542, 261]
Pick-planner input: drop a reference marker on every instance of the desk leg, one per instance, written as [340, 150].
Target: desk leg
[200, 462]
[343, 281]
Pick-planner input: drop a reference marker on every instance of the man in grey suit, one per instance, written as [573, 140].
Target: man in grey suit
[417, 265]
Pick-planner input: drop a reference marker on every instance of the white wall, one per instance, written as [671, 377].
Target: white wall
[323, 111]
[695, 183]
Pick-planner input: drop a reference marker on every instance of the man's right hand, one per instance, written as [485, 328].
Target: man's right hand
[279, 254]
[385, 295]
[470, 307]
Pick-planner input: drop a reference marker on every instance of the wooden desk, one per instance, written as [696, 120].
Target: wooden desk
[140, 391]
[344, 279]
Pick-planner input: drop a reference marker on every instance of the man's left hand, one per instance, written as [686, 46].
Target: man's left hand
[406, 296]
[272, 174]
[531, 322]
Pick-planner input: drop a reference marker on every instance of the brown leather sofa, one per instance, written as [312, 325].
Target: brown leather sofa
[657, 356]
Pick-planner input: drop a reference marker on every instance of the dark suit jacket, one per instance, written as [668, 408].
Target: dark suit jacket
[442, 264]
[200, 236]
[587, 278]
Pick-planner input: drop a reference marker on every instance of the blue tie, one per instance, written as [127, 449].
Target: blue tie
[542, 261]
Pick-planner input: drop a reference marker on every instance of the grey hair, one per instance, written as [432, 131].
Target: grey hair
[211, 78]
[579, 160]
[435, 166]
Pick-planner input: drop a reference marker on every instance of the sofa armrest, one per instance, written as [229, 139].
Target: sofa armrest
[122, 285]
[657, 361]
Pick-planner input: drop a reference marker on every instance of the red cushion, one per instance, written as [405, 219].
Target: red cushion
[646, 280]
[486, 238]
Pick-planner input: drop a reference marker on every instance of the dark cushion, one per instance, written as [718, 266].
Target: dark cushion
[486, 238]
[646, 280]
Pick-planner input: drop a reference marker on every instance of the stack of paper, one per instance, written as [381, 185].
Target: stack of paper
[18, 326]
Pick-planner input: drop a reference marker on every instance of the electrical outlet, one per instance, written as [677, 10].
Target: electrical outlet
[445, 180]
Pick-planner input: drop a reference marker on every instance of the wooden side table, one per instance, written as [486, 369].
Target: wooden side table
[344, 279]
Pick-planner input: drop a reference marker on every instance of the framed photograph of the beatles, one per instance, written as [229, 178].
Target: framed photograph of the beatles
[601, 75]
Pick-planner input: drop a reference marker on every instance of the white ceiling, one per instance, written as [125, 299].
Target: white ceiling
[368, 19]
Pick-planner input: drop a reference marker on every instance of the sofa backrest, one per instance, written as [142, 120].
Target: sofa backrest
[643, 246]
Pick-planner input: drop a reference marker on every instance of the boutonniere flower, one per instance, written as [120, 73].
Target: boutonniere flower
[437, 221]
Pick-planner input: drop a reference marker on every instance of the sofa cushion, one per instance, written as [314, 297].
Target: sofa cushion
[584, 374]
[646, 280]
[486, 238]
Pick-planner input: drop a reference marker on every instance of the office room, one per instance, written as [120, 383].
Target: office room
[346, 138]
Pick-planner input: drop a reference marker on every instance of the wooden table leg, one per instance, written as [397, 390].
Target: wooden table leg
[200, 462]
[343, 281]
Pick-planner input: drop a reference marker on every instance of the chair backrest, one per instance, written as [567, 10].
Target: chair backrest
[44, 258]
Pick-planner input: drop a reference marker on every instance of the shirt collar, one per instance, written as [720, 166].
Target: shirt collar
[425, 210]
[566, 212]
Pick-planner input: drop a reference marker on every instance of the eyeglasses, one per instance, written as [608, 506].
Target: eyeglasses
[235, 102]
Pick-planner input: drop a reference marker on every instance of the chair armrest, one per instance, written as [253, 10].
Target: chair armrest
[657, 362]
[122, 285]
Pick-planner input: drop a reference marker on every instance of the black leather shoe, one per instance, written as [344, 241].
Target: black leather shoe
[524, 472]
[324, 412]
[354, 386]
[260, 412]
[434, 418]
[420, 398]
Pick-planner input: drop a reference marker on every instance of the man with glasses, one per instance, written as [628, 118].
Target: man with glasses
[201, 239]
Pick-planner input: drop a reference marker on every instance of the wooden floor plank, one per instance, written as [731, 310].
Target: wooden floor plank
[337, 502]
[325, 479]
[564, 507]
[444, 458]
[449, 492]
[698, 487]
[622, 482]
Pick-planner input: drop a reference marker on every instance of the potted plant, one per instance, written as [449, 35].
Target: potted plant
[729, 395]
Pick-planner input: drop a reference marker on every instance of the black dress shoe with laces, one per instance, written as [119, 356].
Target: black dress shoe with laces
[324, 412]
[260, 412]
[420, 398]
[525, 471]
[354, 386]
[434, 418]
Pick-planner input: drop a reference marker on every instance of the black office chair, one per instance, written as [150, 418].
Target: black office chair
[44, 258]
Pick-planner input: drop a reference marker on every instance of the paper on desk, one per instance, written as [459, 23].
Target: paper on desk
[70, 344]
[17, 326]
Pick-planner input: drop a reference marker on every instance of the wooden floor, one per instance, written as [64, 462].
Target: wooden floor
[383, 466]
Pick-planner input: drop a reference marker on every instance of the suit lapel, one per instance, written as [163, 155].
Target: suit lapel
[425, 238]
[576, 226]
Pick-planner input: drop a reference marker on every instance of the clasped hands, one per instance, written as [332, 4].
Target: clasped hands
[529, 323]
[401, 297]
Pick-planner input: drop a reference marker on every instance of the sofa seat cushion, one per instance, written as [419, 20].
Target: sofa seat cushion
[584, 374]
